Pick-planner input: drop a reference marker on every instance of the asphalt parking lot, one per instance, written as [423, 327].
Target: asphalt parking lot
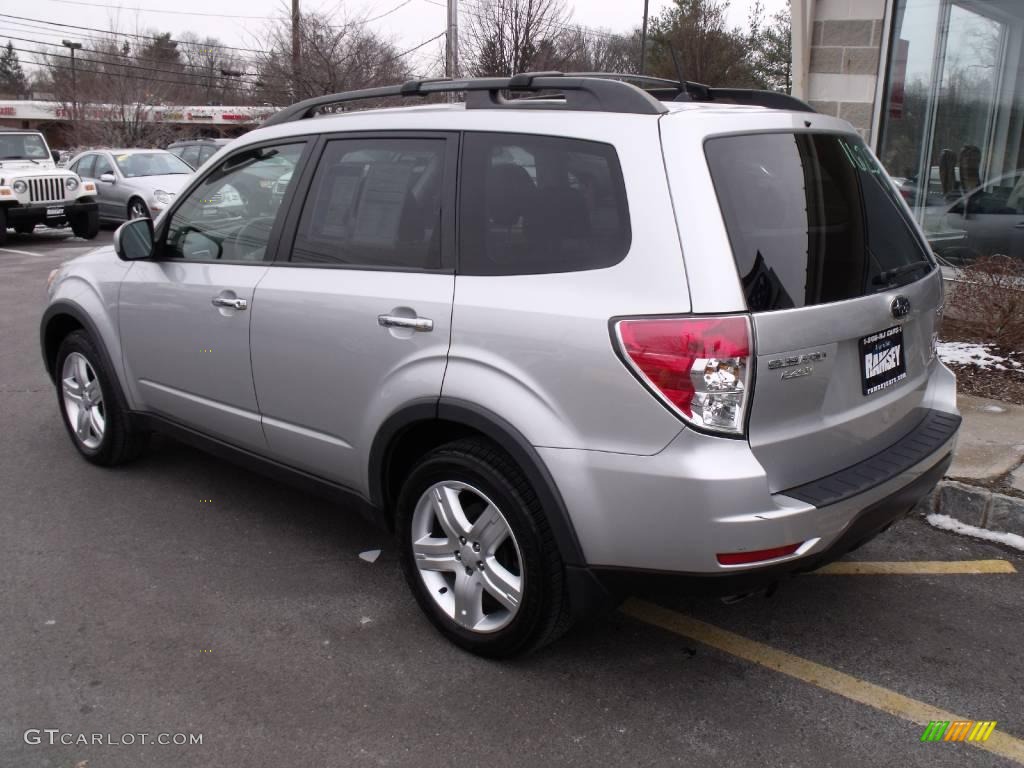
[181, 595]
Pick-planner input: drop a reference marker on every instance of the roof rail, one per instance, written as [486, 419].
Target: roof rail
[580, 93]
[685, 90]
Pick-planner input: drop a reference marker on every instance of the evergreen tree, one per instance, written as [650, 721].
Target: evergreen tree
[12, 76]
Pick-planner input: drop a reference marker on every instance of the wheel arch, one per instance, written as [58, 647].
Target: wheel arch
[426, 424]
[60, 319]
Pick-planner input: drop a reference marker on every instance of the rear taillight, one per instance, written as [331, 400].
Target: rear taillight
[699, 366]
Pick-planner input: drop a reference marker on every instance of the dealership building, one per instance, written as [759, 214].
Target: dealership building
[936, 88]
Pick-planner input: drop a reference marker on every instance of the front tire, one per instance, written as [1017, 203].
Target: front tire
[24, 229]
[85, 225]
[92, 406]
[478, 552]
[137, 209]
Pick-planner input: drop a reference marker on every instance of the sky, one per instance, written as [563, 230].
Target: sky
[407, 22]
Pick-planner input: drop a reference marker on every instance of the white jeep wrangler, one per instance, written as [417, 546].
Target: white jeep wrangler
[33, 190]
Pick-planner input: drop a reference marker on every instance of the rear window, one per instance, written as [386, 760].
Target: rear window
[540, 204]
[812, 218]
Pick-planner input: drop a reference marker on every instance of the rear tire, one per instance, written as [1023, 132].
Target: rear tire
[92, 406]
[478, 552]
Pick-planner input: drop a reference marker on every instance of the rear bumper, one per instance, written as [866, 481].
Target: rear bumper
[864, 526]
[672, 513]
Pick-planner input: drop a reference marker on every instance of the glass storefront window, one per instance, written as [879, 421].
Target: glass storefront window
[953, 127]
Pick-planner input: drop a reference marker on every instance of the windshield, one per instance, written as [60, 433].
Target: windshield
[812, 219]
[28, 146]
[150, 164]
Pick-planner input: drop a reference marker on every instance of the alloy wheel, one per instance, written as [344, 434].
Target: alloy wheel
[138, 210]
[467, 556]
[83, 400]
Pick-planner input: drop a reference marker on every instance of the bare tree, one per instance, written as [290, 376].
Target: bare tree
[504, 37]
[335, 57]
[114, 89]
[581, 49]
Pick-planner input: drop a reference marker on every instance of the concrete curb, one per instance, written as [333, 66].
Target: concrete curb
[974, 505]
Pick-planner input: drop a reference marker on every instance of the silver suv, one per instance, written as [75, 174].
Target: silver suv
[561, 335]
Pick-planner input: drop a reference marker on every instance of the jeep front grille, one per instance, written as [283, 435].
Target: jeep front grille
[46, 190]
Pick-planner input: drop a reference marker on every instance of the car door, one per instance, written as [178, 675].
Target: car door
[356, 323]
[184, 315]
[109, 193]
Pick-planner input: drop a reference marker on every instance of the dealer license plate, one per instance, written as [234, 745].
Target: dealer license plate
[882, 360]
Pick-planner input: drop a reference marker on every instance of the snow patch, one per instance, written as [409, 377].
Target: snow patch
[370, 555]
[980, 355]
[947, 523]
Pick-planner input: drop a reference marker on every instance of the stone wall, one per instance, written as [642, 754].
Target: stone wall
[846, 46]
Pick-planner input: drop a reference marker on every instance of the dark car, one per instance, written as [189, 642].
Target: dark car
[195, 152]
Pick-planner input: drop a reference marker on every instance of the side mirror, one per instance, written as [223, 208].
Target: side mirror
[108, 177]
[55, 155]
[133, 240]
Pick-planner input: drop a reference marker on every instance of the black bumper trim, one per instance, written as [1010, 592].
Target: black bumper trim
[934, 430]
[37, 213]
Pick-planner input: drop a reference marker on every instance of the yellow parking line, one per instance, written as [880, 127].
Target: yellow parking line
[811, 672]
[922, 567]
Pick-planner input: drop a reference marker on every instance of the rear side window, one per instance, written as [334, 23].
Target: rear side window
[374, 203]
[538, 204]
[812, 219]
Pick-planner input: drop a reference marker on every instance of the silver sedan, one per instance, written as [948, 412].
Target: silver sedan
[132, 183]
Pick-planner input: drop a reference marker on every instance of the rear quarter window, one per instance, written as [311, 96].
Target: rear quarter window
[812, 219]
[540, 204]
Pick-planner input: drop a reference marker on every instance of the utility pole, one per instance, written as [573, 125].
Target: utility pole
[74, 81]
[451, 62]
[296, 49]
[643, 39]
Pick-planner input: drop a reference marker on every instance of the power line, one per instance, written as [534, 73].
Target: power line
[156, 10]
[480, 10]
[116, 59]
[78, 29]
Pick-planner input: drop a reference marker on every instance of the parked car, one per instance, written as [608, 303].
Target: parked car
[33, 190]
[990, 218]
[132, 183]
[551, 343]
[195, 152]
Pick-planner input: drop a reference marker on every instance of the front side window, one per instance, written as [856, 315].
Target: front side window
[375, 203]
[102, 165]
[540, 204]
[812, 219]
[229, 215]
[150, 164]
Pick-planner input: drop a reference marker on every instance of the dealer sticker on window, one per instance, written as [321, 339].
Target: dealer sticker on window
[882, 362]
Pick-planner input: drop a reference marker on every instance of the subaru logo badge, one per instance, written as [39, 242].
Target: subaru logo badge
[900, 307]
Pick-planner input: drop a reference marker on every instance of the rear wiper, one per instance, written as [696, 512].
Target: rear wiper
[887, 276]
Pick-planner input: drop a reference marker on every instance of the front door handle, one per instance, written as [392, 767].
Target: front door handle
[226, 303]
[415, 323]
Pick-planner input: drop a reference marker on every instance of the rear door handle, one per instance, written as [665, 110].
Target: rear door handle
[415, 323]
[226, 303]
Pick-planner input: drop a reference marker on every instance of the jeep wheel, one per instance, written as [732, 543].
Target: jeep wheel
[85, 225]
[24, 229]
[478, 553]
[91, 403]
[3, 225]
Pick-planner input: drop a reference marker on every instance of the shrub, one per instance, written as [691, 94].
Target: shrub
[989, 294]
